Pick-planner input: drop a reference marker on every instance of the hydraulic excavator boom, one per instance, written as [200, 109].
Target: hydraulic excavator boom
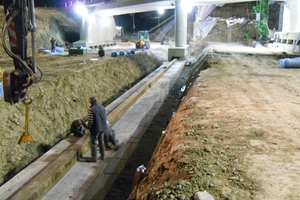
[19, 21]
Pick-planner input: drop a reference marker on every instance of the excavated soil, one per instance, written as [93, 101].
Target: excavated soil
[61, 97]
[235, 135]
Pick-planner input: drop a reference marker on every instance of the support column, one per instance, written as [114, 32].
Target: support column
[180, 24]
[280, 16]
[84, 30]
[180, 51]
[291, 15]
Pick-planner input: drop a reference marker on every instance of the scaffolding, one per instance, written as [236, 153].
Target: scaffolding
[261, 10]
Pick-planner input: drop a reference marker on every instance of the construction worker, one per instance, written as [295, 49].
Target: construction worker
[53, 43]
[110, 138]
[78, 127]
[97, 125]
[67, 44]
[142, 44]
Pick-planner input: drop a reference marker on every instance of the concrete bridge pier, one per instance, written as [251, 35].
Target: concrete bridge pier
[181, 48]
[83, 29]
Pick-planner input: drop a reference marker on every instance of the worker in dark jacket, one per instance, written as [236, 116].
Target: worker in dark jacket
[53, 43]
[110, 138]
[96, 123]
[78, 127]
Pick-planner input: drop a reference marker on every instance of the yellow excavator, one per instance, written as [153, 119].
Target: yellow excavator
[19, 21]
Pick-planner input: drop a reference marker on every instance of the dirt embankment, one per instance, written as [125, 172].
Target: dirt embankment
[50, 23]
[236, 135]
[60, 98]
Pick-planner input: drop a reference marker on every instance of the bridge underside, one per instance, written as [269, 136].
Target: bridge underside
[133, 6]
[120, 7]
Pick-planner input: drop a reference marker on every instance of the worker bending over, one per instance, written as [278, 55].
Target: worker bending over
[110, 138]
[78, 127]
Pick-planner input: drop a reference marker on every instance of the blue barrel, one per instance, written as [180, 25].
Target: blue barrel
[132, 52]
[290, 62]
[128, 52]
[114, 54]
[121, 53]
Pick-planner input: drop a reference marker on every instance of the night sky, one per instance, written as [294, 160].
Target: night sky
[43, 3]
[48, 3]
[143, 21]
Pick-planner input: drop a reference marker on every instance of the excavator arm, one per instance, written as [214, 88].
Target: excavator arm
[19, 21]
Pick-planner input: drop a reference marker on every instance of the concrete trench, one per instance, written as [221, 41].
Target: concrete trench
[93, 180]
[58, 175]
[124, 182]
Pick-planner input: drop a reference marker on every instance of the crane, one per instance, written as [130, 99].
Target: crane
[262, 17]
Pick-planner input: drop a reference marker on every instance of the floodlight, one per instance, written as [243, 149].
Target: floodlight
[188, 5]
[80, 9]
[160, 11]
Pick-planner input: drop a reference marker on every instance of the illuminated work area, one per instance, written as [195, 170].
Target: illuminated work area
[201, 97]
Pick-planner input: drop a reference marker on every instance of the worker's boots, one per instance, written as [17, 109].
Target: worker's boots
[114, 146]
[87, 159]
[116, 142]
[93, 153]
[117, 145]
[92, 159]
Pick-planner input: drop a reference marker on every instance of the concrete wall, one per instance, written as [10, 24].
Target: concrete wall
[98, 29]
[291, 16]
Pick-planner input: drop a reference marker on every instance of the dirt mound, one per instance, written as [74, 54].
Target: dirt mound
[50, 23]
[61, 97]
[235, 135]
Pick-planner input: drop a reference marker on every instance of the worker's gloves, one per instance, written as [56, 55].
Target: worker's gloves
[87, 132]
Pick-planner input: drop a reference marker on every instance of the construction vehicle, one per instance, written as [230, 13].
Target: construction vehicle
[143, 36]
[19, 21]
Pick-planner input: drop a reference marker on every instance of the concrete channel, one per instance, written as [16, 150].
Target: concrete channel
[58, 175]
[150, 140]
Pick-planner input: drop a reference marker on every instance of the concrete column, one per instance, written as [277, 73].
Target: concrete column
[280, 16]
[291, 15]
[180, 24]
[84, 29]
